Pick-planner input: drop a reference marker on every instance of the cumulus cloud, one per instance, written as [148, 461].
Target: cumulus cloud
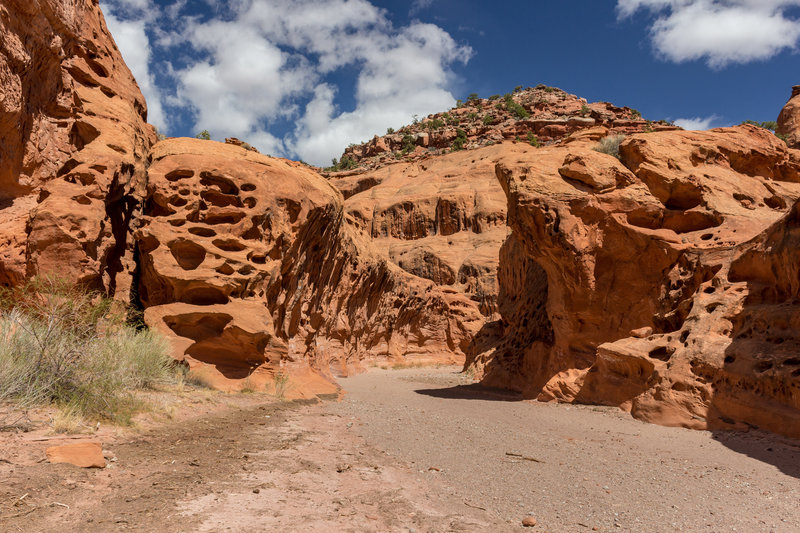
[134, 45]
[271, 72]
[273, 59]
[696, 123]
[721, 32]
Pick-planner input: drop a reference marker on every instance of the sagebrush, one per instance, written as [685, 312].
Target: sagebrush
[72, 348]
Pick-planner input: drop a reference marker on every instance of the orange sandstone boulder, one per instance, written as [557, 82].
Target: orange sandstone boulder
[87, 454]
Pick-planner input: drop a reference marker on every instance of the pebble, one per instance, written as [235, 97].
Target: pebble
[529, 521]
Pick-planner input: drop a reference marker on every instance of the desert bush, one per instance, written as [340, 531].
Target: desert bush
[389, 131]
[610, 145]
[408, 144]
[63, 346]
[533, 140]
[205, 135]
[460, 140]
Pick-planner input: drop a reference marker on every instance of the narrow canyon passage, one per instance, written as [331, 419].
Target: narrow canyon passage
[586, 466]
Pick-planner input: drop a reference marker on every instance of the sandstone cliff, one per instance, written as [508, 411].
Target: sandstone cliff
[663, 281]
[74, 136]
[657, 283]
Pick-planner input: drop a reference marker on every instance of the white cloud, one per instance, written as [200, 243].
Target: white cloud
[696, 123]
[721, 32]
[419, 5]
[134, 45]
[257, 65]
[273, 54]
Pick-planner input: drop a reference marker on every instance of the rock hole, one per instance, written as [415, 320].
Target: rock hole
[706, 236]
[711, 307]
[198, 326]
[763, 366]
[219, 199]
[250, 203]
[177, 201]
[228, 245]
[729, 359]
[775, 202]
[202, 232]
[223, 217]
[225, 184]
[177, 222]
[179, 174]
[684, 335]
[662, 353]
[204, 296]
[258, 259]
[187, 254]
[225, 269]
[710, 290]
[247, 187]
[793, 361]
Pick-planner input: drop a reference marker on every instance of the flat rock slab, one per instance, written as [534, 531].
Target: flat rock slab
[87, 454]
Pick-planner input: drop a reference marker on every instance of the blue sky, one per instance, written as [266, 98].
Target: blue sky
[303, 79]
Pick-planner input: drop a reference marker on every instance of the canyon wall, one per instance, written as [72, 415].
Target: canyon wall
[663, 281]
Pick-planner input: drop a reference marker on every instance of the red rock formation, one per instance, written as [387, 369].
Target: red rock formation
[247, 265]
[789, 119]
[74, 135]
[541, 115]
[647, 291]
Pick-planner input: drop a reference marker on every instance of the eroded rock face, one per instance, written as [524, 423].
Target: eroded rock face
[660, 283]
[74, 135]
[443, 220]
[247, 264]
[789, 119]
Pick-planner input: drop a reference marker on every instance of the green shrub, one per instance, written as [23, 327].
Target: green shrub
[533, 140]
[408, 144]
[518, 89]
[204, 135]
[636, 114]
[347, 163]
[585, 110]
[516, 109]
[67, 347]
[473, 98]
[460, 140]
[610, 145]
[389, 131]
[494, 97]
[488, 120]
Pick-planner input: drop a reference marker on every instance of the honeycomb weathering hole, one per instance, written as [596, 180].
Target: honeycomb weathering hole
[204, 295]
[187, 254]
[219, 199]
[223, 217]
[202, 232]
[198, 326]
[179, 174]
[228, 245]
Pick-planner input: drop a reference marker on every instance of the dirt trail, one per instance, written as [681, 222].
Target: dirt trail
[594, 466]
[408, 450]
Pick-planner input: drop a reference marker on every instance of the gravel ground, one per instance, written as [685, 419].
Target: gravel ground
[575, 468]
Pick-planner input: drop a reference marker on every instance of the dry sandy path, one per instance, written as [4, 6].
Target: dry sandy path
[599, 467]
[405, 451]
